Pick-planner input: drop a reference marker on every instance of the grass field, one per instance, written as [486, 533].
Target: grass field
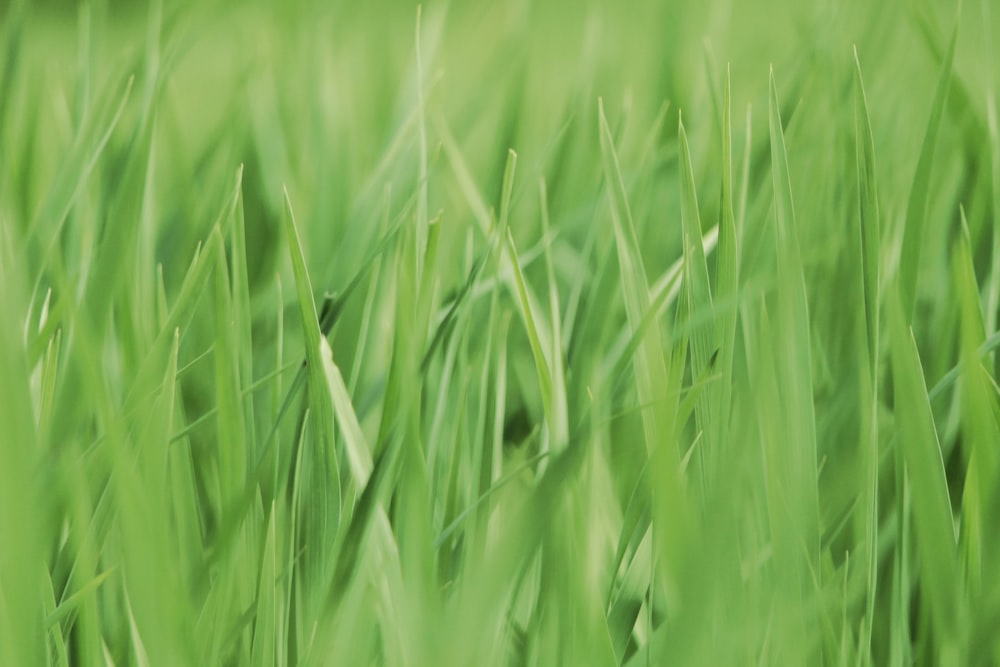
[591, 333]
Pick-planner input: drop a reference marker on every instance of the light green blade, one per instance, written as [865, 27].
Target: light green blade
[932, 511]
[916, 209]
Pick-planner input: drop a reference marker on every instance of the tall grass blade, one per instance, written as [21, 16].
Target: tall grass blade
[869, 241]
[320, 488]
[699, 292]
[652, 381]
[916, 208]
[932, 512]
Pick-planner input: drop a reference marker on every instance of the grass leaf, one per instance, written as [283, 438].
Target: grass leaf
[916, 208]
[652, 382]
[932, 514]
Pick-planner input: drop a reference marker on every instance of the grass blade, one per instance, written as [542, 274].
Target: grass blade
[869, 234]
[795, 368]
[916, 208]
[980, 429]
[699, 291]
[932, 512]
[358, 453]
[321, 484]
[652, 382]
[727, 277]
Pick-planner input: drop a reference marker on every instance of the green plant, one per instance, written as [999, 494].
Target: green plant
[358, 333]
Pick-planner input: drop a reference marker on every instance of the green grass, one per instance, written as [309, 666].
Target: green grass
[525, 334]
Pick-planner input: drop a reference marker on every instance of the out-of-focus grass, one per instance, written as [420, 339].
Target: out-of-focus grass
[359, 333]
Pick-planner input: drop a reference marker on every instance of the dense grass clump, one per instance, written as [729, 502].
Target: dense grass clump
[520, 334]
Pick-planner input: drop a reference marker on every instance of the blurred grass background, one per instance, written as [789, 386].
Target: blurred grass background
[503, 456]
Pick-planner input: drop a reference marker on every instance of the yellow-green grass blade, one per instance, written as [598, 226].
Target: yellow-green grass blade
[366, 317]
[916, 209]
[149, 574]
[650, 369]
[22, 533]
[57, 652]
[553, 400]
[931, 505]
[230, 419]
[663, 293]
[652, 381]
[744, 190]
[979, 427]
[699, 295]
[726, 277]
[868, 250]
[242, 316]
[267, 630]
[868, 210]
[559, 398]
[179, 317]
[540, 357]
[47, 395]
[154, 456]
[320, 487]
[992, 304]
[793, 338]
[357, 451]
[70, 604]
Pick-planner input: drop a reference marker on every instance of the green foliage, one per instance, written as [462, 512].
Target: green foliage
[340, 333]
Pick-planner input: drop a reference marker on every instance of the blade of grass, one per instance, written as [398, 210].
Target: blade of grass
[932, 512]
[979, 427]
[795, 364]
[422, 223]
[67, 606]
[230, 419]
[652, 382]
[993, 289]
[358, 453]
[554, 415]
[57, 651]
[22, 533]
[242, 317]
[869, 242]
[266, 623]
[321, 486]
[727, 277]
[699, 294]
[559, 398]
[916, 208]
